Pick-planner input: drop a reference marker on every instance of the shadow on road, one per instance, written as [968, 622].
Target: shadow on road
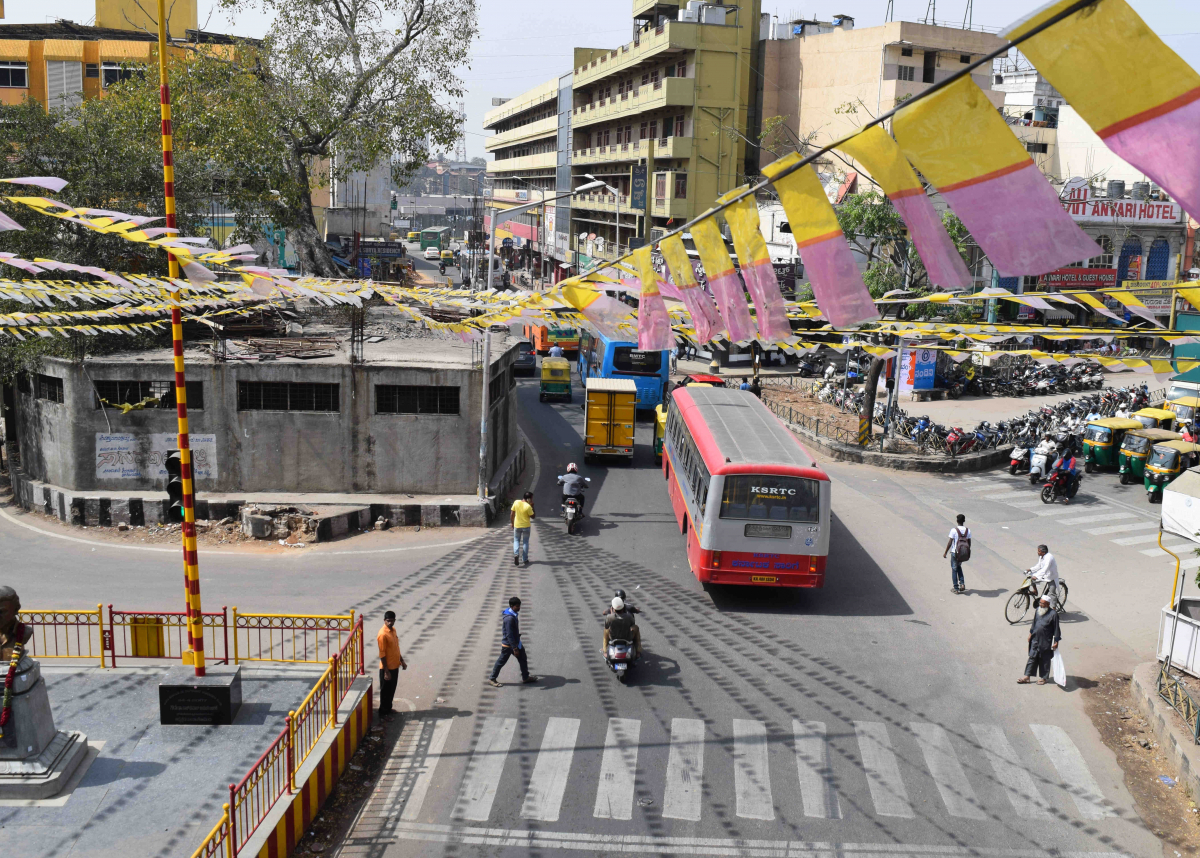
[855, 586]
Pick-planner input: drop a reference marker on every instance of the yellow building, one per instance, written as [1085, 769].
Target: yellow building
[60, 63]
[678, 100]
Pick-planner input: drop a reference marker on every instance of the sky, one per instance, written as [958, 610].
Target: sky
[523, 43]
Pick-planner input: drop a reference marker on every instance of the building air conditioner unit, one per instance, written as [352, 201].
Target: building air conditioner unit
[712, 15]
[687, 15]
[694, 6]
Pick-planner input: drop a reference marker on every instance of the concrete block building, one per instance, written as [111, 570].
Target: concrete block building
[407, 420]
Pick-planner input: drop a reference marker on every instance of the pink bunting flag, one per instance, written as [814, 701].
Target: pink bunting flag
[7, 223]
[726, 286]
[705, 318]
[757, 270]
[50, 183]
[654, 325]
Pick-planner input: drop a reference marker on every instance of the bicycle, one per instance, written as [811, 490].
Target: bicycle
[1027, 595]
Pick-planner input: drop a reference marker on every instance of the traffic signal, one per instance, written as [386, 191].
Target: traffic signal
[174, 465]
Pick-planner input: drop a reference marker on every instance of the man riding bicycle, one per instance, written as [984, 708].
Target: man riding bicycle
[1045, 572]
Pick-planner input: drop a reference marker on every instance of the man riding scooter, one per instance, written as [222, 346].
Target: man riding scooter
[573, 486]
[619, 625]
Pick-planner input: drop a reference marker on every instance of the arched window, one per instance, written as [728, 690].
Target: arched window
[1157, 259]
[1105, 260]
[1131, 258]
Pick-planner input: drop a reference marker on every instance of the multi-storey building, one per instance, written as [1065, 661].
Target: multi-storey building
[676, 107]
[58, 64]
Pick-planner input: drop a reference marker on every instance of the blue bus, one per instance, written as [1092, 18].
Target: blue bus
[600, 357]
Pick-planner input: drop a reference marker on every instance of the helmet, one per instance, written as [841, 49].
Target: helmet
[620, 594]
[618, 604]
[572, 469]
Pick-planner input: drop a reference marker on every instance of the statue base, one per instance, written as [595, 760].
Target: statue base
[36, 760]
[43, 775]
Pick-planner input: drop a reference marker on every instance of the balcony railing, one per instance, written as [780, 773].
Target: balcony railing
[678, 35]
[672, 91]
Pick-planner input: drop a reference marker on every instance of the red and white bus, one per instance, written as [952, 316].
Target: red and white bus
[749, 496]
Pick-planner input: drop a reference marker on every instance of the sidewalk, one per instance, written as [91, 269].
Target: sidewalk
[152, 790]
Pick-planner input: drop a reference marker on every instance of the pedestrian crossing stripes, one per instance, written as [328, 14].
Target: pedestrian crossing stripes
[1124, 521]
[1156, 551]
[958, 764]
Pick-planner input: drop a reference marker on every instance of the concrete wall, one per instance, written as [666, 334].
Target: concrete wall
[352, 450]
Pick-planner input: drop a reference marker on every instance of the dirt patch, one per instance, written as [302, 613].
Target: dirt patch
[1168, 809]
[331, 827]
[813, 408]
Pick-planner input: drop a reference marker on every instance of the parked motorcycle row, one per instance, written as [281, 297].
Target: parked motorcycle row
[1063, 420]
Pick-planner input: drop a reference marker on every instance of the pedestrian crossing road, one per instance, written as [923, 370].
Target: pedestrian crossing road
[979, 772]
[1125, 524]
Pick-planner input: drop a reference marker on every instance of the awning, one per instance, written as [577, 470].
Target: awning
[565, 265]
[1054, 314]
[1181, 506]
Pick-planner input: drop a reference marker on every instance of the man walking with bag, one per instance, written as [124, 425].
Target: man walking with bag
[958, 546]
[1044, 635]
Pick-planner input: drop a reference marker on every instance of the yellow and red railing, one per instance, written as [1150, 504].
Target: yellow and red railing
[128, 634]
[274, 774]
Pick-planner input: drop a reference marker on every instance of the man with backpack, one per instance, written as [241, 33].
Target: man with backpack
[958, 546]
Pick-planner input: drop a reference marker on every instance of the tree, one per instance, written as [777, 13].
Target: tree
[350, 82]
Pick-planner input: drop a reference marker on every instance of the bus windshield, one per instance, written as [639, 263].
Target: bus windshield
[634, 362]
[771, 498]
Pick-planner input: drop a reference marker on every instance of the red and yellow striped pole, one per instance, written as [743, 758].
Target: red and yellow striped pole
[191, 563]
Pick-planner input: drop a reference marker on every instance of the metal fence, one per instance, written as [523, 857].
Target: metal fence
[163, 634]
[813, 424]
[304, 638]
[1173, 691]
[74, 634]
[274, 774]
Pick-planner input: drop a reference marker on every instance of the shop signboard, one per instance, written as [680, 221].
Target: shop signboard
[785, 273]
[637, 194]
[1079, 278]
[1159, 300]
[1086, 205]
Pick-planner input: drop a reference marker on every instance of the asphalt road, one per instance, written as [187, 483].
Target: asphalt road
[877, 716]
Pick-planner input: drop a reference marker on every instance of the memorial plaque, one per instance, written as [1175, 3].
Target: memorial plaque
[210, 700]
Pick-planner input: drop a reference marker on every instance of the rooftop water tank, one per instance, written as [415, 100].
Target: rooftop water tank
[1116, 189]
[1141, 190]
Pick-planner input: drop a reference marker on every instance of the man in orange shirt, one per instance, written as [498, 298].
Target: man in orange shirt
[390, 661]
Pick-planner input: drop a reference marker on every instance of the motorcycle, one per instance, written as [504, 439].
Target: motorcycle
[572, 511]
[1060, 484]
[620, 657]
[442, 268]
[807, 368]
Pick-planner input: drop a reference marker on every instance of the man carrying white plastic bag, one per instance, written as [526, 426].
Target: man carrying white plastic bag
[1044, 636]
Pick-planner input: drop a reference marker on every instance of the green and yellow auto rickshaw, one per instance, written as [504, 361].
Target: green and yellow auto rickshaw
[1155, 418]
[1102, 439]
[1131, 459]
[660, 432]
[1167, 461]
[1185, 408]
[556, 379]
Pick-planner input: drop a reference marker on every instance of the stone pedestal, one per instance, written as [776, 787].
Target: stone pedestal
[184, 698]
[35, 759]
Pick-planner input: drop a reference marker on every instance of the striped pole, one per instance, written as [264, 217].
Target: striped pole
[191, 563]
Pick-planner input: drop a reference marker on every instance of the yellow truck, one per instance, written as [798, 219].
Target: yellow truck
[609, 412]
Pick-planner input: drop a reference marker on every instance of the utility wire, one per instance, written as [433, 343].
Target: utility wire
[940, 85]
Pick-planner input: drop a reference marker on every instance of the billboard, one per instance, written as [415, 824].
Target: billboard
[1079, 278]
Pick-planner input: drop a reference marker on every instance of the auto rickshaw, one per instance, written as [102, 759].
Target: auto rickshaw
[660, 432]
[413, 236]
[1167, 461]
[1155, 418]
[556, 379]
[1185, 408]
[447, 257]
[1134, 450]
[1101, 440]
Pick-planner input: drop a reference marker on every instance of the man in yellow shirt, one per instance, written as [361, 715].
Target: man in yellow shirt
[390, 661]
[519, 518]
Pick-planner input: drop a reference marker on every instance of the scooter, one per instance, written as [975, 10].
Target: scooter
[620, 657]
[442, 268]
[1040, 461]
[573, 512]
[1019, 459]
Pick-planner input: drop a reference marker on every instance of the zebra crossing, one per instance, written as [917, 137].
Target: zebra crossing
[1124, 527]
[892, 759]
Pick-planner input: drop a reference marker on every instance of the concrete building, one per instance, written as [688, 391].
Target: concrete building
[406, 420]
[671, 117]
[1031, 107]
[826, 78]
